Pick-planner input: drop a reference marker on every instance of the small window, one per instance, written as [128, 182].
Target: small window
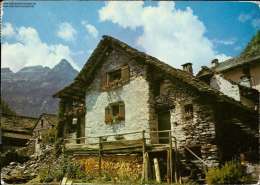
[246, 71]
[115, 112]
[41, 123]
[114, 76]
[188, 109]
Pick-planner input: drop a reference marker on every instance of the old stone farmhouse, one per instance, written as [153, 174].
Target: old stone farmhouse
[121, 90]
[16, 131]
[243, 71]
[43, 126]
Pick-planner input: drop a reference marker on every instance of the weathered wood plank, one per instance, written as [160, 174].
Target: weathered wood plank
[157, 170]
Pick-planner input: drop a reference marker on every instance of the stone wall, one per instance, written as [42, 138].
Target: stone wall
[225, 86]
[236, 73]
[197, 130]
[231, 89]
[134, 94]
[41, 125]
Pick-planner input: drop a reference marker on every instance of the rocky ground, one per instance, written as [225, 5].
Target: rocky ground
[23, 172]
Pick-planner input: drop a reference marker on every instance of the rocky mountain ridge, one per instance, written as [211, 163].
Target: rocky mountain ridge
[29, 91]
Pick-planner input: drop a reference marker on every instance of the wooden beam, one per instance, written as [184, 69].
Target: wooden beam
[99, 155]
[157, 170]
[170, 155]
[175, 161]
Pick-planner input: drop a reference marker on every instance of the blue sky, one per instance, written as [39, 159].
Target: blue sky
[175, 32]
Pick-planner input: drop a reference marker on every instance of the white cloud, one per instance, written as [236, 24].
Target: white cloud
[91, 29]
[126, 14]
[172, 35]
[255, 21]
[66, 31]
[7, 30]
[29, 50]
[244, 17]
[222, 57]
[227, 42]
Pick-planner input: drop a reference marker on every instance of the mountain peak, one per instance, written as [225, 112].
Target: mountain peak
[62, 65]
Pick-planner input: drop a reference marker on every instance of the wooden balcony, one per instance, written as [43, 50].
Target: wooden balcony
[81, 146]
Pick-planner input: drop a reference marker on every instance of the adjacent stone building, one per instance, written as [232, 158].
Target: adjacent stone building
[122, 90]
[243, 71]
[16, 131]
[43, 126]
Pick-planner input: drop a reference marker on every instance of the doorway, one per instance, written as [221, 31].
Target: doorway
[164, 123]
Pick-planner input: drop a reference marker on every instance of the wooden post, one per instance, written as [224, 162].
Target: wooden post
[170, 155]
[145, 160]
[175, 161]
[157, 170]
[143, 137]
[168, 166]
[99, 155]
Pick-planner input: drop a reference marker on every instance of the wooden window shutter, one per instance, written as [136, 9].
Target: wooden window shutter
[103, 83]
[122, 111]
[125, 73]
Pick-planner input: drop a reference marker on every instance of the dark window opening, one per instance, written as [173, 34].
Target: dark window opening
[188, 109]
[41, 123]
[115, 112]
[114, 76]
[246, 71]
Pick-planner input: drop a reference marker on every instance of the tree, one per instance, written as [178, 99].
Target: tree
[253, 47]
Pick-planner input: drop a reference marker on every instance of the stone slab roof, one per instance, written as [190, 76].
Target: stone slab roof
[17, 123]
[228, 65]
[86, 75]
[10, 134]
[235, 62]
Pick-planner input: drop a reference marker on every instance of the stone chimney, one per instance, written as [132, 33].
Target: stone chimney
[187, 67]
[214, 62]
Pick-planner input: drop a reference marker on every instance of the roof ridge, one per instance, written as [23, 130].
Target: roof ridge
[185, 77]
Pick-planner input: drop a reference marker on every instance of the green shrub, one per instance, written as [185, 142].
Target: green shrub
[58, 174]
[74, 171]
[45, 175]
[231, 173]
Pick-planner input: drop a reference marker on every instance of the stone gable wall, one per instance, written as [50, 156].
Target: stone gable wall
[134, 94]
[225, 86]
[46, 125]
